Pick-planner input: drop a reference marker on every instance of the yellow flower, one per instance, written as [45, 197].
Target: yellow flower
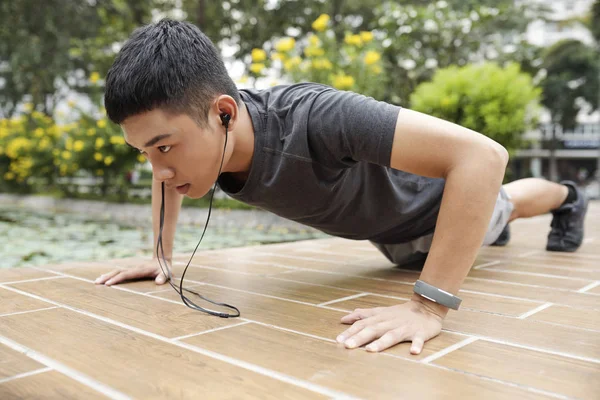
[63, 169]
[366, 36]
[117, 140]
[320, 24]
[71, 103]
[257, 68]
[314, 40]
[99, 142]
[285, 45]
[258, 55]
[66, 155]
[321, 63]
[277, 56]
[44, 144]
[376, 69]
[78, 145]
[98, 156]
[9, 176]
[108, 160]
[28, 107]
[372, 57]
[243, 79]
[311, 51]
[69, 144]
[39, 132]
[101, 123]
[353, 40]
[343, 81]
[141, 158]
[94, 77]
[91, 132]
[292, 63]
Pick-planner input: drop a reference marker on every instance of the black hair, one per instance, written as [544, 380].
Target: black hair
[169, 65]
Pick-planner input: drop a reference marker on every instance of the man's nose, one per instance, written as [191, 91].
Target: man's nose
[161, 173]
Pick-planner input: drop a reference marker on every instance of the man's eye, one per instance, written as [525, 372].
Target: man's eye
[164, 149]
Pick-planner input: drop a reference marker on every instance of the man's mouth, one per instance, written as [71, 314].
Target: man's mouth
[183, 189]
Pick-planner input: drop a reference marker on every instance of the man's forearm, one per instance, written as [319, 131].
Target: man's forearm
[172, 207]
[467, 205]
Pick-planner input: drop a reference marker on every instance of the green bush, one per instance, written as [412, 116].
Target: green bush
[500, 103]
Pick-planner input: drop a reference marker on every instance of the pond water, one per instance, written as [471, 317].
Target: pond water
[44, 237]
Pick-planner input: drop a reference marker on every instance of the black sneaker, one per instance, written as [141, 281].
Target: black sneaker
[567, 223]
[503, 238]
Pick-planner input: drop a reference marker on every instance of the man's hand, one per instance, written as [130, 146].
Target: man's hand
[147, 269]
[383, 327]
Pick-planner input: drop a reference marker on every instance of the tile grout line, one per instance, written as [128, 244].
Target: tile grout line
[26, 312]
[526, 347]
[488, 264]
[33, 280]
[448, 349]
[354, 296]
[500, 341]
[208, 353]
[71, 373]
[210, 330]
[568, 278]
[535, 310]
[25, 374]
[588, 287]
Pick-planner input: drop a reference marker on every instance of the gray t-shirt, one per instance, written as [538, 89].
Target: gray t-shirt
[321, 158]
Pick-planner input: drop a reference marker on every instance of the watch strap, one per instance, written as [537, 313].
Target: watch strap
[437, 295]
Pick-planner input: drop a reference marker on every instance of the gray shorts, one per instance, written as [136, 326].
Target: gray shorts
[416, 250]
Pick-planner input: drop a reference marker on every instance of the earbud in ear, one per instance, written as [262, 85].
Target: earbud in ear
[225, 119]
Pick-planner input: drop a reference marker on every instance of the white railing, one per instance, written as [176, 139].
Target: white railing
[586, 131]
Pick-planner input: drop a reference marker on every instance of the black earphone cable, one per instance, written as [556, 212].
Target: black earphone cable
[185, 300]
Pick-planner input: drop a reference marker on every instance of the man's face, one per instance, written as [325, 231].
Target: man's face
[181, 153]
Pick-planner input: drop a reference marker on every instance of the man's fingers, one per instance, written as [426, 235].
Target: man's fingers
[389, 339]
[369, 333]
[358, 314]
[104, 277]
[417, 345]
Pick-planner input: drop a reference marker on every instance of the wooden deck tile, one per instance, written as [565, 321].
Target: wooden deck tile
[11, 302]
[564, 376]
[160, 317]
[14, 363]
[137, 365]
[333, 366]
[481, 302]
[21, 274]
[531, 333]
[588, 319]
[47, 385]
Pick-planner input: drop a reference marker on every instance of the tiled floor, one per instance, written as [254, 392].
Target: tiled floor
[529, 327]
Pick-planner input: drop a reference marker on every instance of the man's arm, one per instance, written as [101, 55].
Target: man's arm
[473, 166]
[152, 269]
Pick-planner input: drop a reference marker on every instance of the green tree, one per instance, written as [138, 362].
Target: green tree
[424, 36]
[498, 102]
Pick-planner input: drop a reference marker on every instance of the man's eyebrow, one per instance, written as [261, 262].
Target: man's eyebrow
[152, 141]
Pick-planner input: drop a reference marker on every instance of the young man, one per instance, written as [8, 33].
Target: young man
[348, 165]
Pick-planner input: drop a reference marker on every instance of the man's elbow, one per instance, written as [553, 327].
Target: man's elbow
[498, 157]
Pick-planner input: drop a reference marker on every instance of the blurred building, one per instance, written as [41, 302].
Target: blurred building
[577, 151]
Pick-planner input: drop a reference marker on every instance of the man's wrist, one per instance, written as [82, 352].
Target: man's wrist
[431, 306]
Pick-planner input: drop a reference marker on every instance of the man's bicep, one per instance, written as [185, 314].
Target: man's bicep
[429, 146]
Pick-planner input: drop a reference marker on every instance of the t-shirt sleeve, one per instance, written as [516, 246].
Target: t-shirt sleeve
[346, 127]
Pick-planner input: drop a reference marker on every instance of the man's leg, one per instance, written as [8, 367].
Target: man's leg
[534, 196]
[568, 204]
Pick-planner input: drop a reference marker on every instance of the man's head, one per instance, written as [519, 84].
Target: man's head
[169, 79]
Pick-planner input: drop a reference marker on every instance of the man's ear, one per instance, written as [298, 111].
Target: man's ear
[227, 110]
